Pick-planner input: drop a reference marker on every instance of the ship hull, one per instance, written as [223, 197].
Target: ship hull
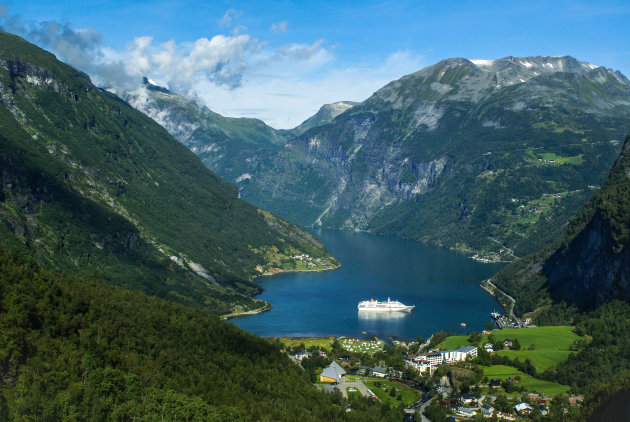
[389, 306]
[405, 309]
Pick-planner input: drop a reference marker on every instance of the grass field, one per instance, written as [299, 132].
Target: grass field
[541, 359]
[529, 383]
[551, 344]
[408, 395]
[320, 342]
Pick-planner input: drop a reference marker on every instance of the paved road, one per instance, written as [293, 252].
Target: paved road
[421, 410]
[345, 383]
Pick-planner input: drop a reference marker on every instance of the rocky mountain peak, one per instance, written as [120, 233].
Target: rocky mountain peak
[460, 79]
[324, 115]
[153, 86]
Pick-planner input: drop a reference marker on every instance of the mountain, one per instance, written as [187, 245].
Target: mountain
[590, 264]
[75, 348]
[225, 145]
[91, 185]
[324, 115]
[486, 156]
[490, 156]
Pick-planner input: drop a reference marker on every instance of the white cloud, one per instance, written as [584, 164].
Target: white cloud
[284, 95]
[279, 26]
[229, 15]
[235, 75]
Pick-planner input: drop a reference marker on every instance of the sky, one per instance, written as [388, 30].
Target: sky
[280, 61]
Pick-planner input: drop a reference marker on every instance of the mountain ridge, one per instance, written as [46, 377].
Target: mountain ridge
[91, 184]
[477, 147]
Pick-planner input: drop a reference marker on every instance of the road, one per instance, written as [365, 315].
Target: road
[358, 384]
[506, 295]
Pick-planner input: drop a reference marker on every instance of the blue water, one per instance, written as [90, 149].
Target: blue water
[442, 284]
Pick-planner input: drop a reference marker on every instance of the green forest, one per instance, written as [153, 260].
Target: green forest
[73, 348]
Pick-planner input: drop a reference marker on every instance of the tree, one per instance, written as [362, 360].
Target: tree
[474, 338]
[435, 413]
[516, 345]
[489, 326]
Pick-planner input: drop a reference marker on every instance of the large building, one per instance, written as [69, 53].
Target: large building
[460, 354]
[332, 373]
[424, 361]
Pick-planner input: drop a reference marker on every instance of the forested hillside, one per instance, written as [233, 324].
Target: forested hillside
[590, 265]
[74, 348]
[90, 184]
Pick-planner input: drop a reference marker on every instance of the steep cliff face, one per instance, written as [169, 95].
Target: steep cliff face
[490, 156]
[590, 264]
[593, 265]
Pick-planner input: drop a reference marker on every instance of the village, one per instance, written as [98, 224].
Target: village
[448, 377]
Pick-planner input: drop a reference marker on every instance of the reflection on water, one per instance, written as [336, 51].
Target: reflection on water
[381, 316]
[382, 322]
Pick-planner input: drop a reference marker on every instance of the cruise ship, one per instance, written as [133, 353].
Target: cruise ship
[389, 306]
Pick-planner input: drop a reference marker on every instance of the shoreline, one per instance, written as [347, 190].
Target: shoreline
[472, 254]
[268, 306]
[281, 271]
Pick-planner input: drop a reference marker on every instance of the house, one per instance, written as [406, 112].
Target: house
[379, 372]
[465, 412]
[487, 410]
[575, 399]
[423, 366]
[417, 362]
[332, 373]
[523, 408]
[345, 358]
[468, 398]
[489, 347]
[496, 382]
[364, 370]
[507, 343]
[301, 355]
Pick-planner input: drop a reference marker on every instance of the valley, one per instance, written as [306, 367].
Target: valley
[446, 155]
[162, 261]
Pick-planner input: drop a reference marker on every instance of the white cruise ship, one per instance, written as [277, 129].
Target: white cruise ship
[389, 306]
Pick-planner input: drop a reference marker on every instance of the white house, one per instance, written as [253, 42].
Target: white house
[379, 372]
[522, 408]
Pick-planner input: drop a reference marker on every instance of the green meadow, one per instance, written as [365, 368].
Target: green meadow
[549, 345]
[529, 383]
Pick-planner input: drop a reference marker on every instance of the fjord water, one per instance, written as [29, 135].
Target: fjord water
[442, 284]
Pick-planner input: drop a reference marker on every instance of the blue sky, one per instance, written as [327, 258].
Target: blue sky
[280, 61]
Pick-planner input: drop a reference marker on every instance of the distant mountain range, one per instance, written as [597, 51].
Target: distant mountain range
[91, 185]
[489, 156]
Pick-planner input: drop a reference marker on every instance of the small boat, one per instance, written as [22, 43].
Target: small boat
[495, 315]
[463, 324]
